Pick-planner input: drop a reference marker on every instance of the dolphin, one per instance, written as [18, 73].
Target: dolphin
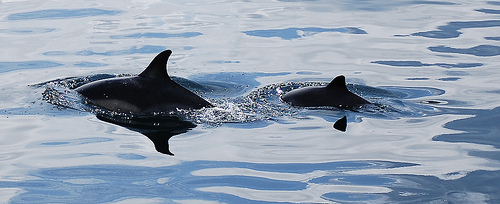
[335, 94]
[151, 91]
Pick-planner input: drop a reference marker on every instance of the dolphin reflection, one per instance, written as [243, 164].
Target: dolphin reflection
[158, 129]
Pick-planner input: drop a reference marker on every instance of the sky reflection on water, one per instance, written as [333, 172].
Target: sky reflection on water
[431, 64]
[189, 180]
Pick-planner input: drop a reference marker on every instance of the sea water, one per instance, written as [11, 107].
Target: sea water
[429, 67]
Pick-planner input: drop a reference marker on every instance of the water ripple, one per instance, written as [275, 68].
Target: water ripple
[474, 130]
[451, 30]
[188, 180]
[12, 66]
[291, 33]
[157, 35]
[489, 11]
[420, 64]
[27, 30]
[90, 64]
[146, 49]
[61, 14]
[480, 51]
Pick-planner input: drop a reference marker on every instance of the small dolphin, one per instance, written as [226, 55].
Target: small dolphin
[334, 94]
[149, 92]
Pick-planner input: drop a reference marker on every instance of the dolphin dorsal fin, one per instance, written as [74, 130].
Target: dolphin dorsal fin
[158, 67]
[338, 82]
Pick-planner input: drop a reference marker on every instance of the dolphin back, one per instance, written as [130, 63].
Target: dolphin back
[335, 94]
[152, 91]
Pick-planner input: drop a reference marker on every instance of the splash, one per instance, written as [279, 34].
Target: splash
[262, 104]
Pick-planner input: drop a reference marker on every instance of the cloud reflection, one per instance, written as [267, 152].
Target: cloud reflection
[157, 35]
[452, 29]
[191, 180]
[480, 51]
[420, 64]
[292, 33]
[13, 66]
[61, 14]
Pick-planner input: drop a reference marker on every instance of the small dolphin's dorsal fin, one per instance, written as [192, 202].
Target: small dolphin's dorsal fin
[338, 82]
[158, 67]
[341, 124]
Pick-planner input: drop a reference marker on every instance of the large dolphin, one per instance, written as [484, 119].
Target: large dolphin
[149, 92]
[335, 94]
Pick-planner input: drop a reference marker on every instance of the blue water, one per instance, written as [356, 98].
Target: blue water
[429, 68]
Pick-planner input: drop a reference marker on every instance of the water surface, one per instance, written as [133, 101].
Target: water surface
[429, 66]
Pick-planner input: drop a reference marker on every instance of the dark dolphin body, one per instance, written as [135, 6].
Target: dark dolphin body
[335, 94]
[149, 92]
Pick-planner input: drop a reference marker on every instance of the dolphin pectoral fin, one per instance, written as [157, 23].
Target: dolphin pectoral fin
[341, 124]
[158, 67]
